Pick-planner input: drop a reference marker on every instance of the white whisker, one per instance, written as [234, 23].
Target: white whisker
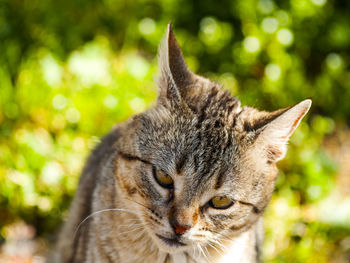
[127, 225]
[98, 212]
[125, 232]
[215, 248]
[222, 247]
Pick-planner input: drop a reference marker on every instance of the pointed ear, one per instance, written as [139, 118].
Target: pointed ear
[174, 73]
[275, 134]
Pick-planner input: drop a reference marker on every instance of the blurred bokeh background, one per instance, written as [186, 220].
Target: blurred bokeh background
[70, 69]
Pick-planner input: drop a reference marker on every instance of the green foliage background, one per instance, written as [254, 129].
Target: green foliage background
[70, 69]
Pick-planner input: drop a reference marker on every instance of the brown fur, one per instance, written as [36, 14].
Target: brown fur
[211, 146]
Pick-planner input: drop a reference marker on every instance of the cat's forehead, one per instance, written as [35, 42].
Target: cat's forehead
[202, 134]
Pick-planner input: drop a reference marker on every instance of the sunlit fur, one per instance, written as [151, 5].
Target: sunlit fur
[211, 146]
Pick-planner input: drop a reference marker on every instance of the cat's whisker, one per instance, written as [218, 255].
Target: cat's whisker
[223, 237]
[99, 212]
[234, 241]
[135, 235]
[222, 247]
[219, 240]
[127, 225]
[215, 248]
[129, 231]
[206, 251]
[212, 246]
[207, 255]
[138, 203]
[154, 222]
[196, 251]
[190, 255]
[202, 251]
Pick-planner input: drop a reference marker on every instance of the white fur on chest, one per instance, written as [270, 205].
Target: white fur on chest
[239, 250]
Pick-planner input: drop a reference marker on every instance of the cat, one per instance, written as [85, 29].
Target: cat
[186, 181]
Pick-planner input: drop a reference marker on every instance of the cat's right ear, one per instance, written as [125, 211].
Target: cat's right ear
[175, 76]
[274, 136]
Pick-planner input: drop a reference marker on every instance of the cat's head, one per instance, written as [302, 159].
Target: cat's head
[201, 168]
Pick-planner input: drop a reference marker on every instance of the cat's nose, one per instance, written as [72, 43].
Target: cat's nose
[179, 229]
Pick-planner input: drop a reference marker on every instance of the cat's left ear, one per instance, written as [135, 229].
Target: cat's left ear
[275, 134]
[175, 76]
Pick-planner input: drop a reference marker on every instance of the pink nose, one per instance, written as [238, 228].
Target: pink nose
[179, 230]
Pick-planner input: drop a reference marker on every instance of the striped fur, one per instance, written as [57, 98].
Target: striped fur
[211, 146]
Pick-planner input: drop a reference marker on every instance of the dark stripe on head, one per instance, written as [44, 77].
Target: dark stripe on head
[231, 107]
[220, 179]
[196, 162]
[180, 163]
[133, 158]
[248, 127]
[210, 97]
[224, 100]
[228, 144]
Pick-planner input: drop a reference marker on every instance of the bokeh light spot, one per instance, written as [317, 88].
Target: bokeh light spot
[334, 61]
[59, 102]
[208, 25]
[90, 65]
[266, 6]
[137, 66]
[78, 144]
[285, 37]
[72, 115]
[269, 24]
[52, 72]
[147, 26]
[251, 44]
[319, 2]
[282, 17]
[137, 104]
[273, 72]
[214, 34]
[52, 173]
[110, 101]
[44, 203]
[314, 191]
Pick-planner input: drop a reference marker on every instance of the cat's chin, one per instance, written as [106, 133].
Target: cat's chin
[169, 245]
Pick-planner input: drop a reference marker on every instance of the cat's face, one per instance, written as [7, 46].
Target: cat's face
[196, 183]
[202, 168]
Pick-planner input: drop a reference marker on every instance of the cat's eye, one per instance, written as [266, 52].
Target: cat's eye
[221, 202]
[163, 179]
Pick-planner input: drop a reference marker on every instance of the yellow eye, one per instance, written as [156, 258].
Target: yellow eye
[163, 179]
[221, 202]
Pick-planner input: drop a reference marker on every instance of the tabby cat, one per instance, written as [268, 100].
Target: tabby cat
[186, 181]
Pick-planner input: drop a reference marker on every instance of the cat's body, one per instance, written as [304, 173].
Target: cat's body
[186, 181]
[98, 238]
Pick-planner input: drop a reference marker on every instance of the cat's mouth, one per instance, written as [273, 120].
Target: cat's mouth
[172, 242]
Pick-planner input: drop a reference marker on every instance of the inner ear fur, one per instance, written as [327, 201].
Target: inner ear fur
[175, 76]
[275, 131]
